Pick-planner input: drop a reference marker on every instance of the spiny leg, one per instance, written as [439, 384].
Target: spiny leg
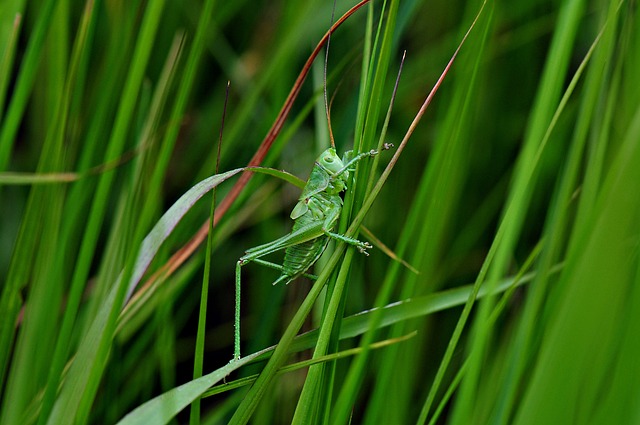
[281, 268]
[362, 246]
[236, 322]
[301, 235]
[348, 165]
[354, 160]
[241, 262]
[361, 156]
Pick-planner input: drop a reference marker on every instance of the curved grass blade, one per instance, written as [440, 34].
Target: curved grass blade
[161, 409]
[169, 221]
[148, 249]
[306, 363]
[86, 354]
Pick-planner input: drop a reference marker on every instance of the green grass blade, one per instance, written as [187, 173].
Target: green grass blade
[9, 39]
[87, 353]
[163, 409]
[524, 180]
[557, 220]
[24, 85]
[567, 353]
[352, 326]
[73, 397]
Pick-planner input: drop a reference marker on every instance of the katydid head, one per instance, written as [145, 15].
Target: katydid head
[331, 162]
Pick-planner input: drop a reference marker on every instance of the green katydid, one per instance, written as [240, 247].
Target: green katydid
[316, 214]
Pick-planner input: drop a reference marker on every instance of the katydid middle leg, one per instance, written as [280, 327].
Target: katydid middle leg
[329, 222]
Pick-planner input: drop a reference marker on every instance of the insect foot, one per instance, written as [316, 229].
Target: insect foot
[363, 246]
[385, 146]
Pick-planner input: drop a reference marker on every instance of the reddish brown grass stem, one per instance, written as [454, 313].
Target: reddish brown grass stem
[185, 252]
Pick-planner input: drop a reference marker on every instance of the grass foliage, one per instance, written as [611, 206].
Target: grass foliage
[516, 199]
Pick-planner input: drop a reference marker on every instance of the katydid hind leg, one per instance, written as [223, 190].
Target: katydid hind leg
[280, 268]
[236, 321]
[296, 237]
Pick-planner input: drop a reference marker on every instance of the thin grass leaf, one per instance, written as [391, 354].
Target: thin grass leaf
[162, 409]
[304, 364]
[24, 85]
[571, 361]
[520, 194]
[8, 39]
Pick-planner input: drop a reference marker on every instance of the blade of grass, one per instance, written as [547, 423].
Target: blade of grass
[44, 215]
[519, 196]
[8, 39]
[303, 364]
[166, 406]
[162, 409]
[356, 373]
[571, 361]
[70, 403]
[369, 107]
[24, 84]
[375, 66]
[194, 418]
[557, 220]
[10, 301]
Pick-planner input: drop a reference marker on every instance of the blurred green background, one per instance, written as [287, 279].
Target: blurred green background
[521, 181]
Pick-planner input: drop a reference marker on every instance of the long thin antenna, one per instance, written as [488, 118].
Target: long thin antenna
[326, 61]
